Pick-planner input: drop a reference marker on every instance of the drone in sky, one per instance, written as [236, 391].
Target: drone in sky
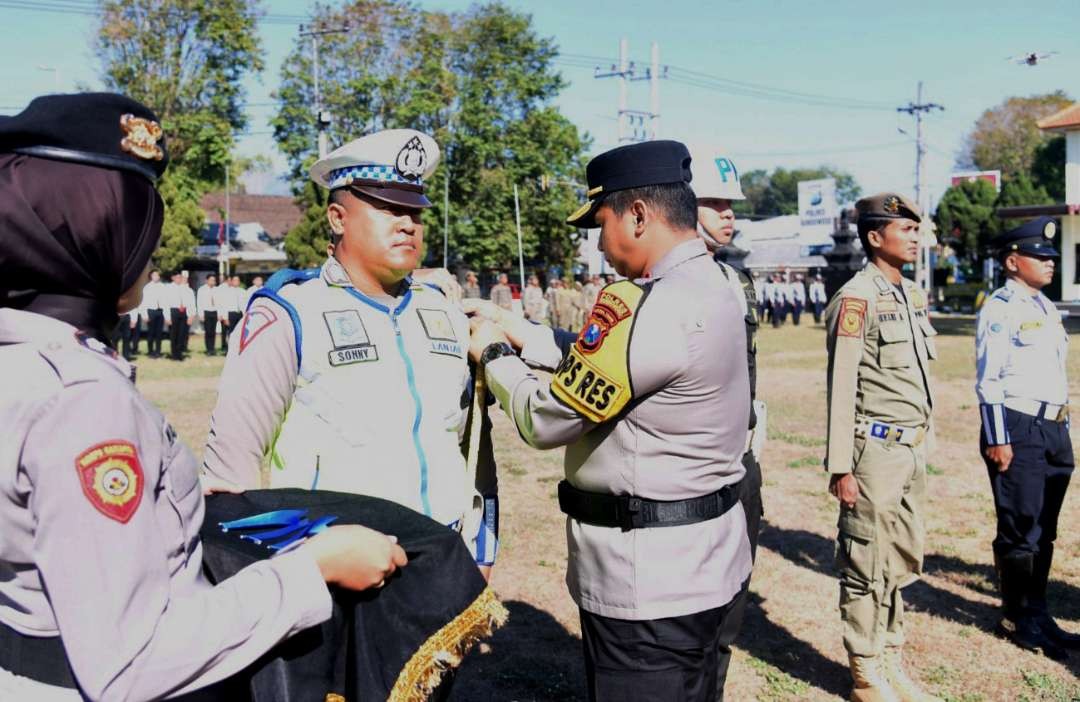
[1031, 59]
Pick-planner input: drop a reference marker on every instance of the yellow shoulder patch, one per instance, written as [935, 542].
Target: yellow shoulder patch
[594, 378]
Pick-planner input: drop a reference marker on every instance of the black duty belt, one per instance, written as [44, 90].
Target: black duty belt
[628, 512]
[39, 658]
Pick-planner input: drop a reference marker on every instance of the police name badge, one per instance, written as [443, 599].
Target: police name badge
[349, 338]
[440, 331]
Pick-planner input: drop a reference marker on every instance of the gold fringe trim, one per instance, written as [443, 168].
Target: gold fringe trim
[445, 649]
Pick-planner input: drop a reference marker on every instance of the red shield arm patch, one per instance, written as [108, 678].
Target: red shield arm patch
[852, 317]
[112, 478]
[256, 320]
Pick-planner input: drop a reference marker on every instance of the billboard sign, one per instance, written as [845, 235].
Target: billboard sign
[818, 208]
[993, 177]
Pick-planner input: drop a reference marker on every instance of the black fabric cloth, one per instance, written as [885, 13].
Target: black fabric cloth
[371, 636]
[210, 323]
[155, 330]
[672, 659]
[750, 497]
[73, 238]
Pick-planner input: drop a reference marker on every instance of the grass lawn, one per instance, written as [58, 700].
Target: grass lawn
[790, 647]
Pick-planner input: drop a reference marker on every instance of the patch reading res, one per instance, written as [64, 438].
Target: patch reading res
[585, 387]
[609, 310]
[852, 317]
[440, 331]
[256, 320]
[111, 478]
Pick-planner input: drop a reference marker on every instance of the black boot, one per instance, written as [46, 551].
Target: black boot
[1020, 622]
[1040, 577]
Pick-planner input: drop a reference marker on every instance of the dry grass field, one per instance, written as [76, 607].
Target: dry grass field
[790, 646]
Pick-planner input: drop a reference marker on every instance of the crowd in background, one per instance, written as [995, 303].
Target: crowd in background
[173, 310]
[566, 305]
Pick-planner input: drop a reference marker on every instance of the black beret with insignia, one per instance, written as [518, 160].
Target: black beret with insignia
[633, 166]
[97, 129]
[1034, 238]
[887, 206]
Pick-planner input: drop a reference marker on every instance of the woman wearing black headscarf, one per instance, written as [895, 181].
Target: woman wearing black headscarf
[102, 593]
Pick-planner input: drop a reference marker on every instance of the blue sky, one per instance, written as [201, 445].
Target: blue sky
[864, 56]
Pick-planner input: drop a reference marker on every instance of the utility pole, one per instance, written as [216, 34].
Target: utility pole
[322, 118]
[916, 110]
[632, 123]
[223, 248]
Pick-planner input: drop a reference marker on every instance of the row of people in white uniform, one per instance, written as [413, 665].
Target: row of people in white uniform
[778, 297]
[172, 308]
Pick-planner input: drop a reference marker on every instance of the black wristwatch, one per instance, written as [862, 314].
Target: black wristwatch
[495, 350]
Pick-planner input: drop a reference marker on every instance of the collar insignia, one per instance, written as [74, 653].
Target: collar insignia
[141, 137]
[412, 160]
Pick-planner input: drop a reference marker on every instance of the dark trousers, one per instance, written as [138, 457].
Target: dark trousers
[178, 333]
[1027, 500]
[155, 329]
[796, 313]
[819, 307]
[672, 659]
[210, 323]
[226, 332]
[750, 498]
[129, 336]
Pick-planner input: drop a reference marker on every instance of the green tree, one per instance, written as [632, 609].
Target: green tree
[185, 59]
[1006, 137]
[1048, 167]
[965, 217]
[305, 244]
[778, 193]
[482, 83]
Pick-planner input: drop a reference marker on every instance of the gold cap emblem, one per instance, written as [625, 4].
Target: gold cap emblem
[891, 205]
[141, 137]
[1049, 229]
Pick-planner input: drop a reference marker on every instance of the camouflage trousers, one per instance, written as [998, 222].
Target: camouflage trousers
[880, 543]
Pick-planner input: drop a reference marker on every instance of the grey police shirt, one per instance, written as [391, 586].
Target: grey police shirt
[100, 509]
[682, 436]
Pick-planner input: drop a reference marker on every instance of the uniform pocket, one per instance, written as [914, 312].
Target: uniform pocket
[894, 350]
[856, 556]
[928, 333]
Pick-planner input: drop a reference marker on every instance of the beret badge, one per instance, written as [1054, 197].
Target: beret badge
[141, 137]
[891, 205]
[412, 159]
[1049, 229]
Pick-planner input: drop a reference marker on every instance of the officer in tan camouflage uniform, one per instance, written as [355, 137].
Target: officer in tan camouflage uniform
[880, 343]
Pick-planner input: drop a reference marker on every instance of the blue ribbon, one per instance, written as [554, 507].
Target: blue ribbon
[292, 524]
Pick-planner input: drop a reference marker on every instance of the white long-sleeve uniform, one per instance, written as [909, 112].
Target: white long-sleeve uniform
[1021, 350]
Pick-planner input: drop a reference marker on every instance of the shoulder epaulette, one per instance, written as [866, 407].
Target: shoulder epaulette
[1003, 293]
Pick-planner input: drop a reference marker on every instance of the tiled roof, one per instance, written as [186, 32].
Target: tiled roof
[1067, 119]
[276, 213]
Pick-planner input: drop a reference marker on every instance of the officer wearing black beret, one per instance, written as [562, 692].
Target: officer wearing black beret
[652, 402]
[102, 591]
[1021, 350]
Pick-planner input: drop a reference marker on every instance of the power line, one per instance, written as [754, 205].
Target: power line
[838, 149]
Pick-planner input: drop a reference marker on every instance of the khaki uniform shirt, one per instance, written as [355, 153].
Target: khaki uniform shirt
[682, 435]
[100, 510]
[880, 342]
[502, 296]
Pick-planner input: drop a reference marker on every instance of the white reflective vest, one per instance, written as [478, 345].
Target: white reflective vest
[381, 400]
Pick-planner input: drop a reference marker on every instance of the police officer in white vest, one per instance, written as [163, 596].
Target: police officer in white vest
[352, 377]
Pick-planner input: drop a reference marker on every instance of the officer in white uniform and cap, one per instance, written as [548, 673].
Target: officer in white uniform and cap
[1021, 354]
[716, 184]
[352, 377]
